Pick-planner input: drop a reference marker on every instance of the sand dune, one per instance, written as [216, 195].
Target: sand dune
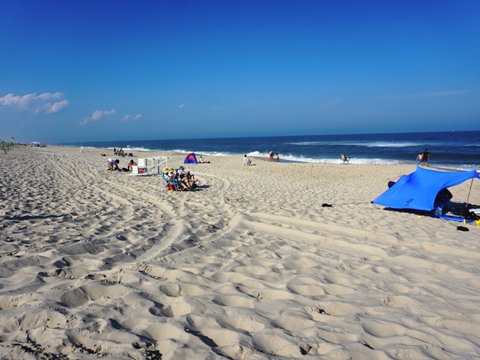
[248, 266]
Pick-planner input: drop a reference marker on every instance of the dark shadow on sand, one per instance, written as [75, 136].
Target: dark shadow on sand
[33, 217]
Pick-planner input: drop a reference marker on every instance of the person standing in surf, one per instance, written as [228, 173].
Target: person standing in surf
[425, 156]
[419, 158]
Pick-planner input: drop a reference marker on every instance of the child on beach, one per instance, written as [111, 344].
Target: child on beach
[130, 164]
[419, 158]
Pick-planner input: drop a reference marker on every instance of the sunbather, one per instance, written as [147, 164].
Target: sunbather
[201, 161]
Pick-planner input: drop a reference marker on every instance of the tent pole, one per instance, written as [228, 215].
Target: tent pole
[468, 198]
[470, 190]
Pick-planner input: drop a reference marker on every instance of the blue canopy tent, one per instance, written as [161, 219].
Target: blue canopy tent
[417, 191]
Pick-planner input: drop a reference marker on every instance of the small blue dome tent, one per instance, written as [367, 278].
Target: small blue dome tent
[190, 159]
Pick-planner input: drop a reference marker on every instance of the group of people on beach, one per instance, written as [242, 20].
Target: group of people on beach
[179, 179]
[423, 157]
[175, 179]
[120, 152]
[273, 156]
[113, 165]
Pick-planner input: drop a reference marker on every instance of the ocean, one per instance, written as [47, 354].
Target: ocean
[455, 149]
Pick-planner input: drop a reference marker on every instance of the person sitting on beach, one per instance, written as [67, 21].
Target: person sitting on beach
[169, 178]
[173, 180]
[246, 160]
[393, 181]
[442, 203]
[186, 177]
[113, 164]
[182, 183]
[201, 161]
[130, 164]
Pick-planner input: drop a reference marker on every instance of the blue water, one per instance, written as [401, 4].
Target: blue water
[455, 149]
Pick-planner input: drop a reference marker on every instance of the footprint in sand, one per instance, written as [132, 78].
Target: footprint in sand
[306, 290]
[234, 300]
[177, 308]
[400, 288]
[165, 331]
[92, 292]
[333, 308]
[277, 346]
[176, 290]
[243, 322]
[399, 301]
[294, 321]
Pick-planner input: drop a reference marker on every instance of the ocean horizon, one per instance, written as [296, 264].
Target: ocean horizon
[450, 149]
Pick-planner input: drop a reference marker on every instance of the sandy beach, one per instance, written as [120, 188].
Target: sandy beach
[102, 264]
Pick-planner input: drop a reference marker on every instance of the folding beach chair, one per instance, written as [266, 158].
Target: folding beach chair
[171, 183]
[345, 159]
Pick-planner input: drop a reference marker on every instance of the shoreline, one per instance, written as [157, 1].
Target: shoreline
[249, 266]
[333, 161]
[457, 150]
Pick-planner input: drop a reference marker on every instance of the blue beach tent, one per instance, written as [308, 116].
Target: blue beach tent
[191, 159]
[417, 191]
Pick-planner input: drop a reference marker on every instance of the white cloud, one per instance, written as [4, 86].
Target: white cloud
[97, 115]
[55, 107]
[44, 103]
[182, 106]
[128, 117]
[49, 96]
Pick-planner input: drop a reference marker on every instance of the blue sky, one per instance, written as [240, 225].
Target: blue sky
[82, 70]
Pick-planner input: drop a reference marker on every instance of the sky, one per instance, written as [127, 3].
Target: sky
[84, 70]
